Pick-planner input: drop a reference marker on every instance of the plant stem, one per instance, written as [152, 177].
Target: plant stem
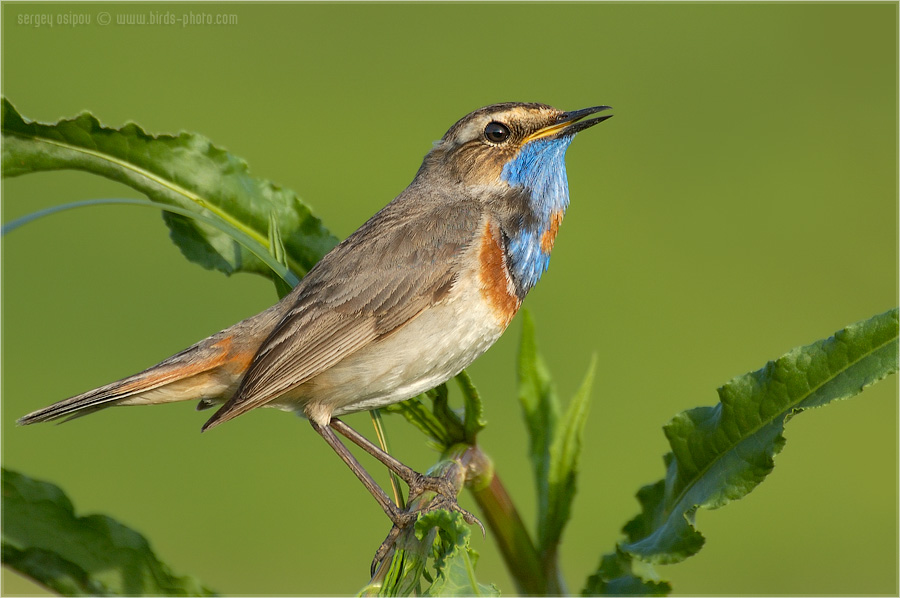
[500, 515]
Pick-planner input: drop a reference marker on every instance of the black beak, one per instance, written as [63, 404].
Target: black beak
[574, 117]
[569, 123]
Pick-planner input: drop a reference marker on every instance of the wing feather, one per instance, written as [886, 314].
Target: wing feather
[399, 263]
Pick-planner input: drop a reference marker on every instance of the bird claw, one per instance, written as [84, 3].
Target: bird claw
[384, 549]
[442, 501]
[445, 498]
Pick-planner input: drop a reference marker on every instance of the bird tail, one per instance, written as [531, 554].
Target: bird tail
[209, 371]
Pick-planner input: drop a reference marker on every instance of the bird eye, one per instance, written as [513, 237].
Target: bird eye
[496, 132]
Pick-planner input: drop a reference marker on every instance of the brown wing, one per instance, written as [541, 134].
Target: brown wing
[400, 262]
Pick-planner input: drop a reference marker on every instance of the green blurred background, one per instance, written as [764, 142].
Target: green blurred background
[743, 201]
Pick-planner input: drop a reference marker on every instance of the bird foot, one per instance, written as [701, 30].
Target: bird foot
[442, 501]
[445, 492]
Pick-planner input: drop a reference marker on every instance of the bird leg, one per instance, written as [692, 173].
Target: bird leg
[417, 482]
[445, 487]
[399, 518]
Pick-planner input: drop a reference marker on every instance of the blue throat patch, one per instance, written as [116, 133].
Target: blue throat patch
[540, 167]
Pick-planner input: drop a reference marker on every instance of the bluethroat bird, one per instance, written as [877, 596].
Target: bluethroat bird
[406, 302]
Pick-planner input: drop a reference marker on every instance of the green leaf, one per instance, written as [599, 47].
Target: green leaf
[473, 422]
[184, 170]
[52, 571]
[279, 269]
[443, 424]
[555, 442]
[92, 555]
[418, 414]
[541, 408]
[403, 574]
[621, 575]
[454, 561]
[276, 248]
[565, 451]
[721, 453]
[438, 535]
[450, 421]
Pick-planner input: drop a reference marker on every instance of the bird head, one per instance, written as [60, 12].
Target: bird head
[512, 157]
[511, 144]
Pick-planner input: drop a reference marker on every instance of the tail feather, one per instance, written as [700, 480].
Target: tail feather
[197, 373]
[210, 371]
[83, 404]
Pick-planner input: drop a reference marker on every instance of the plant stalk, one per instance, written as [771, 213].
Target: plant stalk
[522, 560]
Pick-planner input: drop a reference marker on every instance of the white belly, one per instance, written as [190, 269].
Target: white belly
[428, 350]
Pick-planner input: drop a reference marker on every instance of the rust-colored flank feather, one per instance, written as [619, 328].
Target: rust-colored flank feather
[549, 236]
[497, 287]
